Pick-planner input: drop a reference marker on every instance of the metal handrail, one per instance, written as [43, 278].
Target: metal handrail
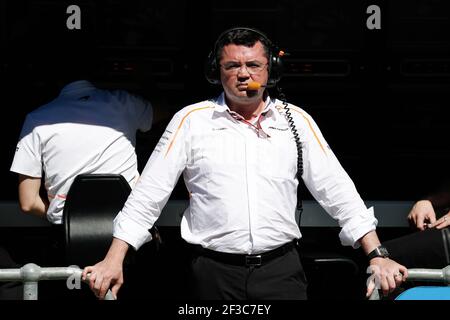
[417, 274]
[434, 275]
[30, 274]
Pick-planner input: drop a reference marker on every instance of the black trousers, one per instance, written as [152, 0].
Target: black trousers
[280, 278]
[422, 249]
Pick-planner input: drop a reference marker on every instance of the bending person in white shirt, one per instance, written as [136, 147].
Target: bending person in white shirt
[238, 158]
[85, 130]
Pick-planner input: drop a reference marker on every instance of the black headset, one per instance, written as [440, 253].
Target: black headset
[212, 73]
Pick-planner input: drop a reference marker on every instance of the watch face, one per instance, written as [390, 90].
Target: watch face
[380, 251]
[383, 252]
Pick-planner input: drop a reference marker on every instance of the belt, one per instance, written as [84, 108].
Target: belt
[254, 260]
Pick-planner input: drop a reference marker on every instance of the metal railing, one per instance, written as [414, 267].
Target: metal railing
[30, 274]
[429, 275]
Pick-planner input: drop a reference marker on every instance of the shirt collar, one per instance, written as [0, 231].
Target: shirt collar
[77, 87]
[269, 109]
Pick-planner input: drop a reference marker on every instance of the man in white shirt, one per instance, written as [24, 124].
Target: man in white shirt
[238, 157]
[85, 130]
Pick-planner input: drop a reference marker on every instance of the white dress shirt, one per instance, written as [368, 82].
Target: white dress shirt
[242, 182]
[84, 130]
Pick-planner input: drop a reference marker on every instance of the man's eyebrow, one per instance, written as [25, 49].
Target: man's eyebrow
[236, 61]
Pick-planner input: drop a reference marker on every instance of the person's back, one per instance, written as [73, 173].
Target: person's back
[85, 130]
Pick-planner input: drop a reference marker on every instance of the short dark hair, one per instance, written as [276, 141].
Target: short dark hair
[244, 37]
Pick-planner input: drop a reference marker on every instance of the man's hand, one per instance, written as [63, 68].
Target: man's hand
[108, 272]
[386, 275]
[442, 222]
[421, 213]
[102, 276]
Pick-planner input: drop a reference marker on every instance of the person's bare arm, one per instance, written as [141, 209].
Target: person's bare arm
[30, 200]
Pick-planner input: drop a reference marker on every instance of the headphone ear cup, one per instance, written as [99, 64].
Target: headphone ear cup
[276, 71]
[211, 71]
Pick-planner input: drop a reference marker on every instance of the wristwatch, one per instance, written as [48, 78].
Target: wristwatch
[378, 252]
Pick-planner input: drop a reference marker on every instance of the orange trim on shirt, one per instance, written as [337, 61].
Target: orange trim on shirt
[180, 125]
[61, 196]
[311, 127]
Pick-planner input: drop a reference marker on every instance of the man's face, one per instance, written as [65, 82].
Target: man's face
[241, 65]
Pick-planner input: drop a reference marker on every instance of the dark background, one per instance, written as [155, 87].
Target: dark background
[380, 97]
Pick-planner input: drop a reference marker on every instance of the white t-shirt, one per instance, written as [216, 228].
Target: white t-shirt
[85, 130]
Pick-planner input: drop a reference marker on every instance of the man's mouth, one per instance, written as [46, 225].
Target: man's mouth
[242, 86]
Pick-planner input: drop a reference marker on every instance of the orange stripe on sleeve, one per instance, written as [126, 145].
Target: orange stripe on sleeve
[311, 127]
[180, 125]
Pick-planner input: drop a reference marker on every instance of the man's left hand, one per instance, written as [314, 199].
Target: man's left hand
[386, 275]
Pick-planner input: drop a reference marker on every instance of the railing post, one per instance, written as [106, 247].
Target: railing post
[30, 290]
[30, 274]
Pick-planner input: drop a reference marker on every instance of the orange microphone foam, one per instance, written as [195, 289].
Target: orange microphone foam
[254, 86]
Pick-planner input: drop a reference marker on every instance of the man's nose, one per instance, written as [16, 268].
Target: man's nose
[243, 71]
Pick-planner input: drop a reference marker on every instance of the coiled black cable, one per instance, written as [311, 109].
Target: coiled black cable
[298, 143]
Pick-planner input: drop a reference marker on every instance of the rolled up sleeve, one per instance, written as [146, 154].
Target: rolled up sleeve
[131, 231]
[356, 227]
